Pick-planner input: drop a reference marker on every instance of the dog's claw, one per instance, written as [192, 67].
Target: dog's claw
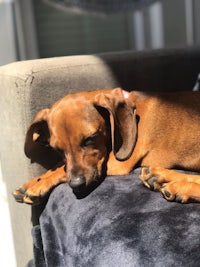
[168, 196]
[147, 170]
[151, 182]
[32, 198]
[28, 200]
[167, 193]
[18, 196]
[178, 199]
[21, 190]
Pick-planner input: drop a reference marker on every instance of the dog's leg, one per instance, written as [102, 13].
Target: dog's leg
[174, 186]
[116, 167]
[32, 191]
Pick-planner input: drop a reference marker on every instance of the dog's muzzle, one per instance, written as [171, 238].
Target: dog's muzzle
[77, 182]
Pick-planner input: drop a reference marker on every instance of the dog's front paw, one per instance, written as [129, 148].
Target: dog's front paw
[25, 198]
[30, 193]
[34, 191]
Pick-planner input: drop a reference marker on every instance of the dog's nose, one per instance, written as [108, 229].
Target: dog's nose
[77, 182]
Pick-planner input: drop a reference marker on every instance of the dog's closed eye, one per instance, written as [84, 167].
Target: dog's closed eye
[89, 141]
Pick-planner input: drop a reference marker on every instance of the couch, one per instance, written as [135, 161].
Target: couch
[120, 223]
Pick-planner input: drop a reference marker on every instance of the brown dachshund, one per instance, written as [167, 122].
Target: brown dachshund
[88, 135]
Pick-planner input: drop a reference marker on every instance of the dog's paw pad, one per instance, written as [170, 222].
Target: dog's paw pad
[145, 173]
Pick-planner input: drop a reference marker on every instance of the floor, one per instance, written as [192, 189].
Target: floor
[7, 254]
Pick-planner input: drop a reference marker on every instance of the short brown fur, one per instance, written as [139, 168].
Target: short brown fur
[89, 135]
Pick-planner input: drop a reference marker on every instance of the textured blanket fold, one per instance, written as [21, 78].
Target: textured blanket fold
[120, 223]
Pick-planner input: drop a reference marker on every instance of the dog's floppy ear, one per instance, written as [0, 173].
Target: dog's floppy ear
[122, 120]
[37, 146]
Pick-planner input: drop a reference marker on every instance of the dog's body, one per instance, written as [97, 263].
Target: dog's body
[111, 132]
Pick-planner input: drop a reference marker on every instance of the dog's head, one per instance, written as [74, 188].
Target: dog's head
[80, 131]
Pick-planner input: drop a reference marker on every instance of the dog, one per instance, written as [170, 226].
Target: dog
[88, 135]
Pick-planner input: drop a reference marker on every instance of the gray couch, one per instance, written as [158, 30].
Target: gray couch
[29, 86]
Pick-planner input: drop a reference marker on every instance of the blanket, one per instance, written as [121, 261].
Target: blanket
[120, 223]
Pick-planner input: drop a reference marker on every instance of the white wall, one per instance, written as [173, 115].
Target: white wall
[8, 52]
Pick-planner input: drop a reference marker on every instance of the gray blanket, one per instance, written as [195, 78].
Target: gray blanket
[119, 224]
